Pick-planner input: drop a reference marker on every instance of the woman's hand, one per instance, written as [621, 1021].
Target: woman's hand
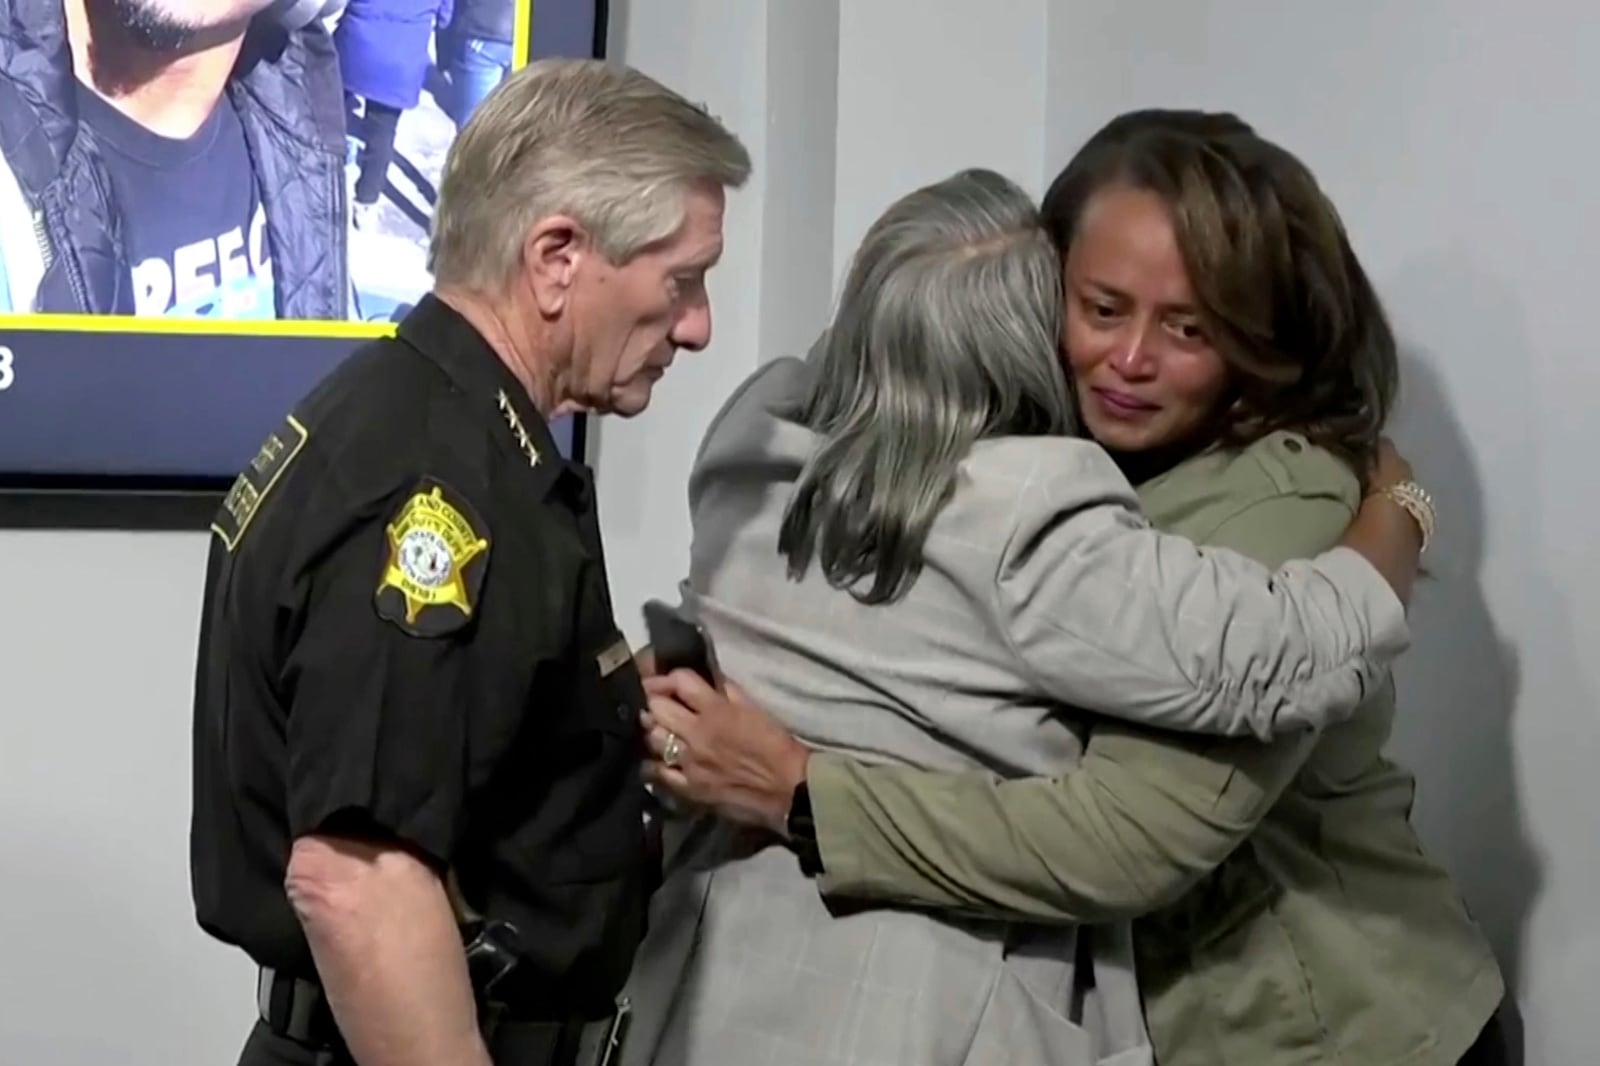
[1386, 530]
[1389, 467]
[717, 750]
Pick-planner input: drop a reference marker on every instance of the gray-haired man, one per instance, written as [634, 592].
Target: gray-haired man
[408, 661]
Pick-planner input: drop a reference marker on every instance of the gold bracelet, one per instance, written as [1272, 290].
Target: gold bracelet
[1415, 501]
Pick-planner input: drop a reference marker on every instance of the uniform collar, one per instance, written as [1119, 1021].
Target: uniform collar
[443, 335]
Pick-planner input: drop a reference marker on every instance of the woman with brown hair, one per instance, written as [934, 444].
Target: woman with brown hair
[1226, 347]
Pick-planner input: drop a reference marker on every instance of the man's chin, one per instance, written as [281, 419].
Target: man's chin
[165, 28]
[629, 402]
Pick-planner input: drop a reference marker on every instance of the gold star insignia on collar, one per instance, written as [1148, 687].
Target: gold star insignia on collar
[517, 429]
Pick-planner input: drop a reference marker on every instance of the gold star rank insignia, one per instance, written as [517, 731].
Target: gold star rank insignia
[435, 564]
[518, 430]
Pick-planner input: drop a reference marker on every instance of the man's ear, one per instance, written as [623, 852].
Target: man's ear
[551, 254]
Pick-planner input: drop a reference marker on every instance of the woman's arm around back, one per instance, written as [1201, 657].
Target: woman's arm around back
[1107, 614]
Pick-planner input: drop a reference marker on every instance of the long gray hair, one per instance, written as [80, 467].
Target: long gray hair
[948, 331]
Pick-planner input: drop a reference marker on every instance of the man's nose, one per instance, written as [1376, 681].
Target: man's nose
[693, 328]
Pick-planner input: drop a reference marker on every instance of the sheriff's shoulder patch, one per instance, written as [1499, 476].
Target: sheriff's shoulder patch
[256, 482]
[436, 559]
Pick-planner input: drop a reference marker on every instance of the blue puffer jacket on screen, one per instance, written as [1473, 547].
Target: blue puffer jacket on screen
[61, 246]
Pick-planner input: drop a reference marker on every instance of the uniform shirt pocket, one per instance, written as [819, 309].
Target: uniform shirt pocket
[598, 757]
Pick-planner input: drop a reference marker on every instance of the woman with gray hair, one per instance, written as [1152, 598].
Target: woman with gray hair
[892, 539]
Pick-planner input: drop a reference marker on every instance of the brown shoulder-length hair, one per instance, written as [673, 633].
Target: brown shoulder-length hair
[1280, 290]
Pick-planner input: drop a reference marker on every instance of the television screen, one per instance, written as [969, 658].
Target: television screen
[205, 204]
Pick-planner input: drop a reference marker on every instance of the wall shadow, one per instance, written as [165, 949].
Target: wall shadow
[1461, 682]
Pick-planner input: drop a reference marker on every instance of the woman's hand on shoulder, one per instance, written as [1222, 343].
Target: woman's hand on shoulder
[1389, 467]
[1395, 521]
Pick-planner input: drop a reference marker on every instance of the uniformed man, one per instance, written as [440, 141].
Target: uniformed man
[417, 797]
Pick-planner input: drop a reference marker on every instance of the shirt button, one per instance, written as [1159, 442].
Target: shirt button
[1292, 444]
[624, 712]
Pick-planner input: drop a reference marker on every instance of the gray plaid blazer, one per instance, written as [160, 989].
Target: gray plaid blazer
[1042, 590]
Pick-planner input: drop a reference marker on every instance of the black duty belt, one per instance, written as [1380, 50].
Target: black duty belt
[298, 1009]
[295, 1008]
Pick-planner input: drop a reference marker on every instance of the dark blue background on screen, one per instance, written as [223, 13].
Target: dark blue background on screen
[182, 405]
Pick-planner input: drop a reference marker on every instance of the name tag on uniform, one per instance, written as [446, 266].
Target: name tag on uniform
[613, 657]
[251, 488]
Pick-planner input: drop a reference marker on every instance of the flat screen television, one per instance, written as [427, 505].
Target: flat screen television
[188, 243]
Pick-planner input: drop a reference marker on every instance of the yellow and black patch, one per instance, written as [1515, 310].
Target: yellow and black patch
[438, 554]
[251, 488]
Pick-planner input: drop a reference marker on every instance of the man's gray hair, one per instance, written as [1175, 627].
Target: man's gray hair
[948, 331]
[602, 143]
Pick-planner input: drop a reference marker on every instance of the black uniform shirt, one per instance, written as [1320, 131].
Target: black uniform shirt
[407, 632]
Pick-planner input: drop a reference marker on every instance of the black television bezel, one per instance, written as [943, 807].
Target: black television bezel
[148, 503]
[136, 502]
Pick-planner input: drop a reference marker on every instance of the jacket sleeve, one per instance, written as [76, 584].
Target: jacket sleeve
[1109, 615]
[1144, 817]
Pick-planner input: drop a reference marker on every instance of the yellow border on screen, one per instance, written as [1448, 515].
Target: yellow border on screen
[315, 328]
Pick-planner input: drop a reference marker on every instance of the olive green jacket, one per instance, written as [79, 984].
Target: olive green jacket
[1287, 913]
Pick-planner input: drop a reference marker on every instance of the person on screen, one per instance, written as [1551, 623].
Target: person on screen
[383, 57]
[210, 183]
[474, 49]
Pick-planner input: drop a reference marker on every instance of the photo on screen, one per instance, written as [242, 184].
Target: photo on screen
[222, 159]
[206, 204]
